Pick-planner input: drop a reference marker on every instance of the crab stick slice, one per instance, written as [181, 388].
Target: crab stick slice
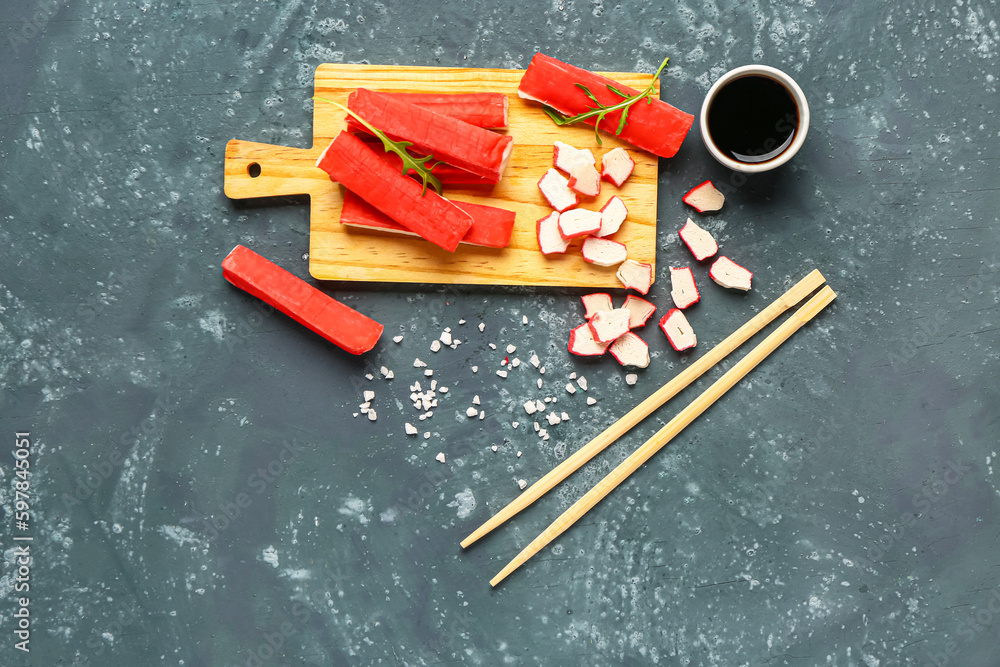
[639, 309]
[341, 325]
[617, 166]
[683, 290]
[704, 197]
[578, 163]
[635, 275]
[583, 344]
[657, 127]
[699, 241]
[555, 189]
[613, 214]
[578, 222]
[595, 303]
[678, 330]
[358, 168]
[729, 274]
[630, 350]
[550, 241]
[608, 325]
[491, 226]
[486, 110]
[603, 252]
[468, 147]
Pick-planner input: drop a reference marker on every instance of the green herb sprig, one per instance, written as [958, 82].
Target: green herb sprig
[410, 161]
[602, 110]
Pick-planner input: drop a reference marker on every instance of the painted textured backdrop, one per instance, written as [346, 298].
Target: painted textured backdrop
[202, 494]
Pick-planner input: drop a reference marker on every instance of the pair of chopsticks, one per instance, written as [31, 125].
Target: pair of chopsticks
[793, 296]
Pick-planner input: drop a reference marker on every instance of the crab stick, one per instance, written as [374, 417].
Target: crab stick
[468, 147]
[358, 168]
[446, 173]
[341, 325]
[486, 110]
[491, 226]
[658, 127]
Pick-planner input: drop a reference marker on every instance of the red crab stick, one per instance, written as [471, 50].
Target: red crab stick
[468, 147]
[486, 110]
[658, 127]
[491, 226]
[341, 325]
[358, 168]
[447, 174]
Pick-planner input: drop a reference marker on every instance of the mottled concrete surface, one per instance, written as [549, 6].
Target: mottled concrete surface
[202, 495]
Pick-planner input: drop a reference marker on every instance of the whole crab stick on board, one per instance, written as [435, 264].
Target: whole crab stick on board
[658, 127]
[486, 110]
[341, 325]
[350, 162]
[491, 226]
[468, 147]
[447, 174]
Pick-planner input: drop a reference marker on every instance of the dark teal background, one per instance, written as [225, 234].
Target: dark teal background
[202, 494]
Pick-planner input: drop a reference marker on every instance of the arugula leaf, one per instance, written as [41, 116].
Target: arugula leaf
[410, 161]
[600, 111]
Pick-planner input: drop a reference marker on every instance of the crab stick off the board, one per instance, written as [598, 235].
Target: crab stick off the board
[341, 325]
[358, 168]
[491, 226]
[658, 127]
[486, 110]
[472, 148]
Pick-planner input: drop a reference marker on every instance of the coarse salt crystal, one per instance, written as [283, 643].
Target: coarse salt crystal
[397, 339]
[502, 374]
[591, 400]
[418, 364]
[539, 406]
[553, 418]
[515, 424]
[522, 483]
[570, 388]
[493, 447]
[493, 346]
[369, 376]
[524, 319]
[539, 382]
[471, 412]
[475, 369]
[511, 349]
[435, 345]
[428, 372]
[534, 361]
[515, 362]
[582, 382]
[446, 337]
[371, 415]
[631, 379]
[440, 457]
[519, 454]
[482, 326]
[565, 417]
[410, 428]
[530, 408]
[475, 400]
[369, 394]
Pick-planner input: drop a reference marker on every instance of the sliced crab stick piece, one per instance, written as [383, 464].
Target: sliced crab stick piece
[630, 350]
[635, 275]
[468, 147]
[595, 303]
[491, 226]
[603, 252]
[555, 189]
[699, 241]
[678, 330]
[657, 127]
[608, 325]
[704, 197]
[582, 343]
[613, 214]
[486, 110]
[617, 166]
[639, 309]
[550, 241]
[358, 168]
[729, 274]
[578, 222]
[683, 290]
[578, 163]
[341, 325]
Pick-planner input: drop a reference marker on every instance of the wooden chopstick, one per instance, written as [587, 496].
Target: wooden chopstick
[794, 295]
[672, 428]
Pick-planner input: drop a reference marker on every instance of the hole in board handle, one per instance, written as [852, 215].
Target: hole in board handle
[253, 169]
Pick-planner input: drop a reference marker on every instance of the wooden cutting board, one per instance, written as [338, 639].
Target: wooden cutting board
[339, 253]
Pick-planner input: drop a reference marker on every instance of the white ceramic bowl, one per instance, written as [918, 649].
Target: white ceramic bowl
[800, 131]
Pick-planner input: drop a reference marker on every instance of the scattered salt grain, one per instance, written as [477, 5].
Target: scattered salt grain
[471, 412]
[534, 361]
[410, 428]
[511, 349]
[369, 376]
[462, 321]
[553, 418]
[435, 345]
[530, 408]
[369, 394]
[493, 346]
[539, 382]
[565, 417]
[418, 364]
[515, 362]
[446, 337]
[475, 400]
[475, 369]
[440, 457]
[631, 379]
[591, 400]
[428, 372]
[542, 370]
[524, 319]
[493, 447]
[427, 435]
[570, 388]
[482, 326]
[397, 339]
[372, 416]
[582, 382]
[443, 390]
[515, 424]
[518, 453]
[502, 374]
[539, 406]
[522, 483]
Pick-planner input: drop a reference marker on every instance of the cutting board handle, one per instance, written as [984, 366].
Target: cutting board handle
[265, 170]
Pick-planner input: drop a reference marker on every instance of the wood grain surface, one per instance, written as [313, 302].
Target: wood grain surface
[338, 253]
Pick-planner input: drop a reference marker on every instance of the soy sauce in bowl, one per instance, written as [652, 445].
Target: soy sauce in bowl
[753, 119]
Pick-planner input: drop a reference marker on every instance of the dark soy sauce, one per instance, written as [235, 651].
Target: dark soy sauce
[753, 119]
